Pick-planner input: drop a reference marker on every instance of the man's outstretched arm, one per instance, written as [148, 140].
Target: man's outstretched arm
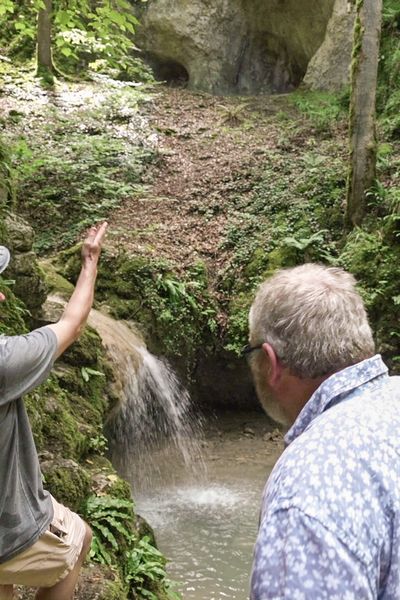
[74, 317]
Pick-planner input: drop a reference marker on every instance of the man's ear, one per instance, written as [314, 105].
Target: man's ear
[275, 367]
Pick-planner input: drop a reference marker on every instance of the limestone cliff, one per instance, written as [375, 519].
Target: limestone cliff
[247, 46]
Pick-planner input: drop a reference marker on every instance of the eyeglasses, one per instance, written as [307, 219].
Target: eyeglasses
[247, 349]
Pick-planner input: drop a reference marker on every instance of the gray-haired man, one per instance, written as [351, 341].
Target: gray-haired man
[42, 543]
[330, 521]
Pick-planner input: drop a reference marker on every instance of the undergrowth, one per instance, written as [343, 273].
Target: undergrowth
[114, 540]
[76, 164]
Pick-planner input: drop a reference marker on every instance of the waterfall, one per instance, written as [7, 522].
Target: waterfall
[153, 423]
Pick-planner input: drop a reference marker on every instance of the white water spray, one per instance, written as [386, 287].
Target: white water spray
[153, 424]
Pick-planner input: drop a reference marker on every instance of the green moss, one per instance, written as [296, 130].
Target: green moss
[13, 312]
[55, 282]
[67, 481]
[176, 313]
[54, 425]
[373, 258]
[100, 582]
[86, 350]
[113, 590]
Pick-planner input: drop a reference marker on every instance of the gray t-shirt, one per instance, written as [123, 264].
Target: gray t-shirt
[25, 508]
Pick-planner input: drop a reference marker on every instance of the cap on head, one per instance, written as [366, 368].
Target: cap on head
[4, 258]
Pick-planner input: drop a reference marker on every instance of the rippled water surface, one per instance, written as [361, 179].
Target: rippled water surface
[207, 526]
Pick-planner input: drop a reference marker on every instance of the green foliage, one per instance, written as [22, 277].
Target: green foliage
[98, 444]
[323, 109]
[84, 33]
[7, 6]
[110, 519]
[73, 180]
[87, 373]
[13, 312]
[177, 313]
[7, 191]
[388, 96]
[293, 215]
[373, 255]
[114, 540]
[145, 569]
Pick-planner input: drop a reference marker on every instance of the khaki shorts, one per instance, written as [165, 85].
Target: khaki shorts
[52, 557]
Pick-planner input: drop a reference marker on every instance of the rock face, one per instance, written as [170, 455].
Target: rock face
[24, 268]
[329, 67]
[240, 46]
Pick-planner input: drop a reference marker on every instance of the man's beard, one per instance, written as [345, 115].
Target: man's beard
[266, 398]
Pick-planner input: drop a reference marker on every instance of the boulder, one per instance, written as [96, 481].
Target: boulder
[20, 233]
[29, 284]
[329, 67]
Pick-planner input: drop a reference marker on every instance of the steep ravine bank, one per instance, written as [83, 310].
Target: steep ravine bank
[206, 196]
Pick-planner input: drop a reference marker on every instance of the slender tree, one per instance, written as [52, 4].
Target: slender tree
[367, 33]
[45, 65]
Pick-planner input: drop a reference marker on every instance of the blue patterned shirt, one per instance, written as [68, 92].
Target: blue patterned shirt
[330, 521]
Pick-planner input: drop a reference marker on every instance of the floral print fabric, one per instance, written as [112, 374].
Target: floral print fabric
[330, 520]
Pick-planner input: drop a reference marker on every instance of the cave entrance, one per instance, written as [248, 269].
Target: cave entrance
[170, 71]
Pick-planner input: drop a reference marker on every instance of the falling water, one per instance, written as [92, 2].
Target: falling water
[153, 423]
[205, 525]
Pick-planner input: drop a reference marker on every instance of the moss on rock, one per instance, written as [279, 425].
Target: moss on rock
[100, 582]
[67, 481]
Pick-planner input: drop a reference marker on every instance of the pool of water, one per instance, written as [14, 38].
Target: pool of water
[206, 521]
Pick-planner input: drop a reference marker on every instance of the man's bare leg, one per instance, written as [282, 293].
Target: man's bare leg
[7, 592]
[64, 590]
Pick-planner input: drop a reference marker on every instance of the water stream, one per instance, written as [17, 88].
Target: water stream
[197, 483]
[207, 527]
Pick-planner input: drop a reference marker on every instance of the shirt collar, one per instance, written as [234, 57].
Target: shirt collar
[338, 384]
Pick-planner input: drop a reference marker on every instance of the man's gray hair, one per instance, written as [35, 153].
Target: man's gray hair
[314, 318]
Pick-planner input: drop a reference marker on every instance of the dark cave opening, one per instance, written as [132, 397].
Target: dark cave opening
[169, 71]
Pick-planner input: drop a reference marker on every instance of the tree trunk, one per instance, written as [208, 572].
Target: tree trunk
[44, 55]
[367, 33]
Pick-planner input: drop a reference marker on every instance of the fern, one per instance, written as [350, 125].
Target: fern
[114, 542]
[109, 518]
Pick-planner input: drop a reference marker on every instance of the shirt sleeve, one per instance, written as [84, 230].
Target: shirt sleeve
[297, 558]
[26, 361]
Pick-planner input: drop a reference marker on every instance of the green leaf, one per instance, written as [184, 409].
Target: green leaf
[106, 534]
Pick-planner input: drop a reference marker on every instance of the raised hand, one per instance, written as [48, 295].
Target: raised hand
[92, 244]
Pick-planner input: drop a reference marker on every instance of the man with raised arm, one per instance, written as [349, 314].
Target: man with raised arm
[42, 543]
[330, 519]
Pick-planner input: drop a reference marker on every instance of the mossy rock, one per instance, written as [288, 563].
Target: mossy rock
[20, 233]
[12, 313]
[56, 283]
[143, 528]
[105, 479]
[85, 351]
[99, 582]
[54, 425]
[67, 481]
